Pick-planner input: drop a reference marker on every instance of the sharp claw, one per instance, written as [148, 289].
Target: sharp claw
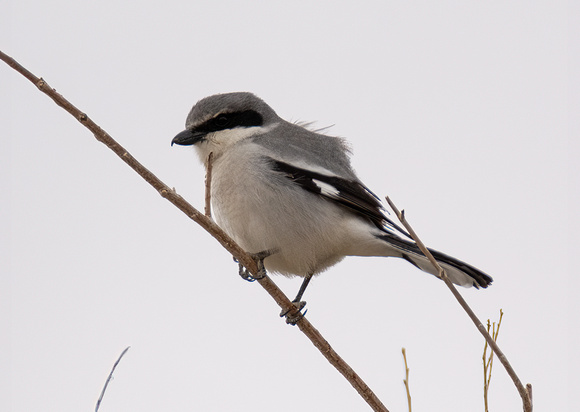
[259, 258]
[294, 318]
[261, 270]
[244, 273]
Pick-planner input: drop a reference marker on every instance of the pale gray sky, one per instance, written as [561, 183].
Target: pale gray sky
[462, 112]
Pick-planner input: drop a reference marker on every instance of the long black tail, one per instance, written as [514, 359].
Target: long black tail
[458, 271]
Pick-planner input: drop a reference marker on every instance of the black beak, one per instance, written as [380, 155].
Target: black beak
[188, 138]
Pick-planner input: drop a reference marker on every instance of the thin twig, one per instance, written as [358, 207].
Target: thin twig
[485, 373]
[209, 168]
[503, 359]
[213, 229]
[495, 334]
[406, 380]
[109, 378]
[488, 361]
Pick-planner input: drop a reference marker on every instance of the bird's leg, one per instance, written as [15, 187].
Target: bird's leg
[259, 258]
[302, 289]
[298, 303]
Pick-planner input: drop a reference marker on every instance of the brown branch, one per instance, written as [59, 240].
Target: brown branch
[109, 377]
[526, 399]
[207, 208]
[529, 390]
[213, 229]
[406, 380]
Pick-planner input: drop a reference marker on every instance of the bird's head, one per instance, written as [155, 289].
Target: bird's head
[217, 122]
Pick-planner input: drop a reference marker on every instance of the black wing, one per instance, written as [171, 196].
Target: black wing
[351, 194]
[355, 196]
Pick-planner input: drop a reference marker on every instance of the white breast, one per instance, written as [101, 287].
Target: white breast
[263, 210]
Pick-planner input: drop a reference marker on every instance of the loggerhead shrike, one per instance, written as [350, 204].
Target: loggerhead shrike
[290, 195]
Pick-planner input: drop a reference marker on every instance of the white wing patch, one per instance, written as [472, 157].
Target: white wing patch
[327, 189]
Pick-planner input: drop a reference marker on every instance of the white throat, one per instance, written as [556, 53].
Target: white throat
[219, 142]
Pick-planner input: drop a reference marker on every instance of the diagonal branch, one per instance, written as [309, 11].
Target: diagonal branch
[525, 395]
[213, 229]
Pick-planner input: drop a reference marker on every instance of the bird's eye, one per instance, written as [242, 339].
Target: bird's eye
[221, 120]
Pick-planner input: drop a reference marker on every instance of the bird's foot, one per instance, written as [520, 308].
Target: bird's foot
[292, 317]
[259, 259]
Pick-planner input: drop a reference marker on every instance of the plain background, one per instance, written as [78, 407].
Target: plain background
[463, 112]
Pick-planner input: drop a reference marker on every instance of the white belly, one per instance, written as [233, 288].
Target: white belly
[261, 213]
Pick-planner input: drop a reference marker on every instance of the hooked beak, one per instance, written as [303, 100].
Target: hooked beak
[188, 138]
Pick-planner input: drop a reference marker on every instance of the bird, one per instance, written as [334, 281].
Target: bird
[288, 194]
